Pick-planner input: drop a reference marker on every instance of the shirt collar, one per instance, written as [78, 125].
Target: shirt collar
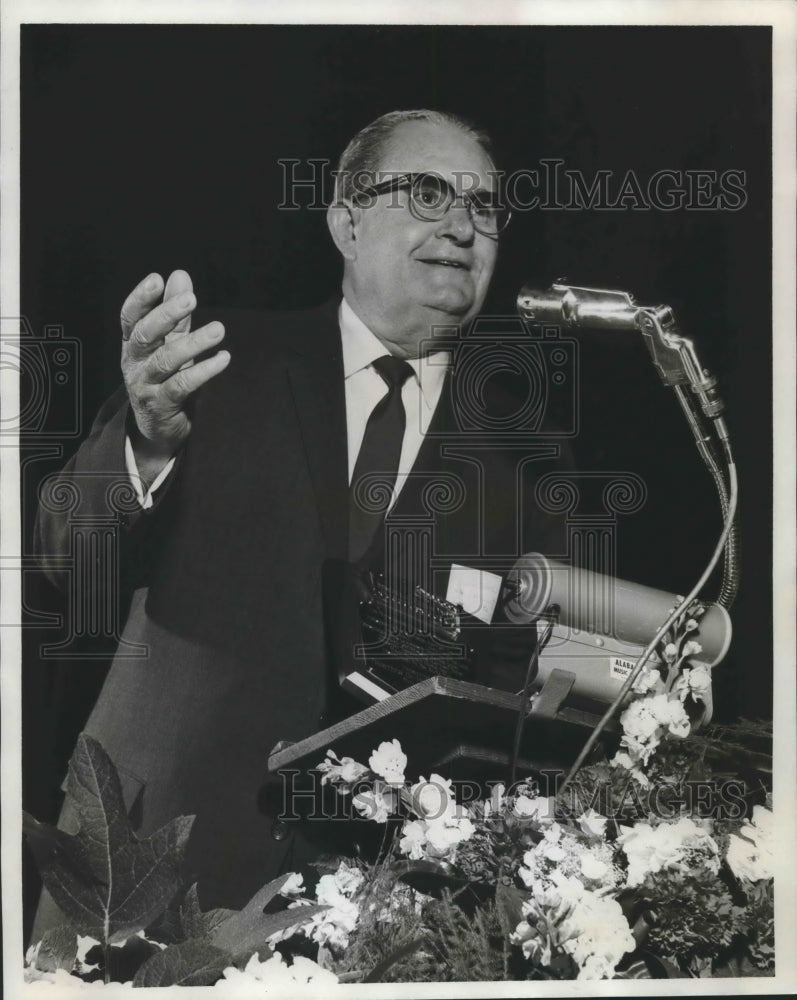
[361, 348]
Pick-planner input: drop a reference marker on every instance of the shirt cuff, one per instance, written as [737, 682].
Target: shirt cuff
[145, 499]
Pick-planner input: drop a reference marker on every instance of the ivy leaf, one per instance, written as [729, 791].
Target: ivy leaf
[248, 930]
[190, 963]
[108, 883]
[57, 950]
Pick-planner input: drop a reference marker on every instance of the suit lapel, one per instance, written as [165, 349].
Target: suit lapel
[315, 374]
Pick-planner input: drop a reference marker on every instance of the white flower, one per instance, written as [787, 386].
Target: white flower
[497, 797]
[694, 680]
[650, 849]
[341, 771]
[41, 984]
[553, 852]
[413, 838]
[691, 648]
[294, 886]
[376, 804]
[436, 837]
[646, 679]
[432, 799]
[389, 762]
[593, 868]
[441, 835]
[645, 722]
[540, 808]
[592, 823]
[336, 891]
[752, 856]
[568, 918]
[258, 977]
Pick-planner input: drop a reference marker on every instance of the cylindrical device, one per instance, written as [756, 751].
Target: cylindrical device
[598, 605]
[567, 305]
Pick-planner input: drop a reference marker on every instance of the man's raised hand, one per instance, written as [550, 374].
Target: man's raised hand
[159, 366]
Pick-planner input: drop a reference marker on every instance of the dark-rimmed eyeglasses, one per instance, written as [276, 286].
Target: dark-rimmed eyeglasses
[431, 196]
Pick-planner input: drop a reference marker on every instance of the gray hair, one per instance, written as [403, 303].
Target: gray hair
[364, 153]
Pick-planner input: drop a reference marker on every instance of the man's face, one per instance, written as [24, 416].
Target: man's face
[406, 275]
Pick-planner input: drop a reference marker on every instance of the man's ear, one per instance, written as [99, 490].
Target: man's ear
[342, 219]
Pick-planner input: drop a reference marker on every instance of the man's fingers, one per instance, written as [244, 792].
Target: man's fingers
[178, 283]
[150, 330]
[180, 386]
[139, 302]
[172, 355]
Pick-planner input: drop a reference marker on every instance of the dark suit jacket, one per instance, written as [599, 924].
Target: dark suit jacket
[226, 573]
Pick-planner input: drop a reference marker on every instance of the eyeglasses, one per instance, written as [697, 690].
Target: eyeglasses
[431, 196]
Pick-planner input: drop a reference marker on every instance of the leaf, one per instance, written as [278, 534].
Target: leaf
[509, 901]
[637, 969]
[57, 950]
[433, 879]
[376, 975]
[190, 963]
[660, 968]
[248, 930]
[109, 883]
[195, 923]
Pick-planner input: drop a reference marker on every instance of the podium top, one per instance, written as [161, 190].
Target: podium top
[441, 720]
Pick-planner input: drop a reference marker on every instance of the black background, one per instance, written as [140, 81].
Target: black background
[148, 148]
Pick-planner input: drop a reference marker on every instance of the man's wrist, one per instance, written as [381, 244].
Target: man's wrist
[150, 459]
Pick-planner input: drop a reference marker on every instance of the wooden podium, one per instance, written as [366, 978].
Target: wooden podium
[456, 728]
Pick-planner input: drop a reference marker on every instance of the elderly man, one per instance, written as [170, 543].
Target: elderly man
[243, 460]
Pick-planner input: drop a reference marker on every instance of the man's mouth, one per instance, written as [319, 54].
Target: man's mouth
[445, 262]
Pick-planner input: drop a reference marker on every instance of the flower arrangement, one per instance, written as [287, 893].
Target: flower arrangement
[656, 863]
[515, 885]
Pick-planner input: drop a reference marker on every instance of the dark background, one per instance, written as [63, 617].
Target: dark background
[149, 148]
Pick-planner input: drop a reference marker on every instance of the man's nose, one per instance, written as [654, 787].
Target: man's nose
[457, 224]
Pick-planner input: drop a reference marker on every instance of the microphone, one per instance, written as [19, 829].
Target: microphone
[672, 354]
[567, 305]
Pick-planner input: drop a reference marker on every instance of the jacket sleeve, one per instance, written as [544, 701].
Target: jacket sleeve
[94, 492]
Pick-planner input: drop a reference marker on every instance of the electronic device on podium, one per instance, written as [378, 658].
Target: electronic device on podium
[422, 677]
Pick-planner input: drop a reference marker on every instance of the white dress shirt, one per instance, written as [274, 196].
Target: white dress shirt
[364, 387]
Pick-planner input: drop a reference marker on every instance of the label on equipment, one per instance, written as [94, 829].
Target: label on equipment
[474, 590]
[620, 668]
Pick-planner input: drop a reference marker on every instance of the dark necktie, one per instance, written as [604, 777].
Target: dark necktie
[377, 462]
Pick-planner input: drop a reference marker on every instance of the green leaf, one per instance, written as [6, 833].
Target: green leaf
[57, 950]
[190, 963]
[108, 883]
[247, 931]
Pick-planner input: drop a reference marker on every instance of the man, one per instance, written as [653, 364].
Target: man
[242, 459]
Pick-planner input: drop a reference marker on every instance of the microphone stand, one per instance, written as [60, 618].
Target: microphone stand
[677, 363]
